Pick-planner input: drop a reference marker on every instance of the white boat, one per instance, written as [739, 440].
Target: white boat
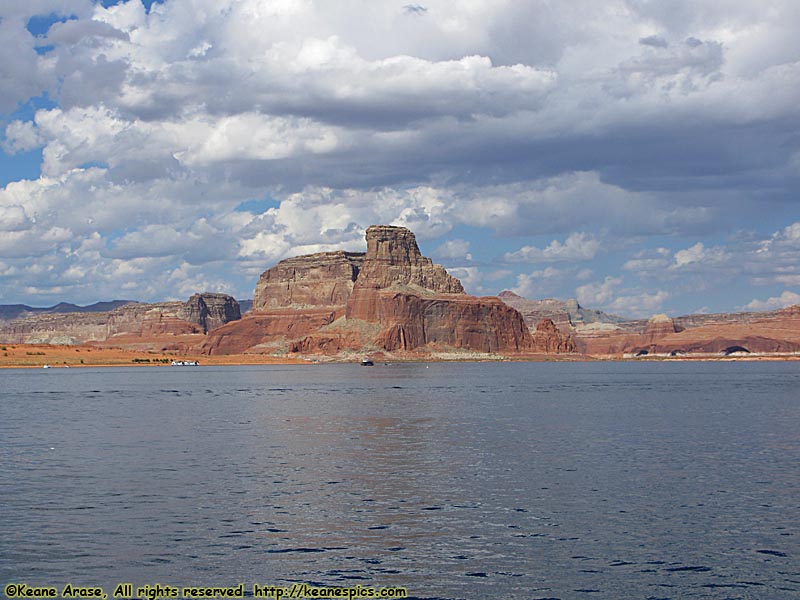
[185, 363]
[45, 366]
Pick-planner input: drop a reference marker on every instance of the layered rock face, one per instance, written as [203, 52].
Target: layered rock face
[659, 326]
[323, 279]
[59, 328]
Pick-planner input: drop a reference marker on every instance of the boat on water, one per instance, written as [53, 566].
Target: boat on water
[45, 366]
[185, 363]
[367, 363]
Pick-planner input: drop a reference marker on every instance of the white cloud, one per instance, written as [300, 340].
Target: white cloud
[20, 137]
[598, 294]
[14, 218]
[577, 199]
[629, 302]
[787, 298]
[642, 304]
[699, 255]
[471, 278]
[542, 282]
[577, 247]
[793, 280]
[453, 250]
[646, 265]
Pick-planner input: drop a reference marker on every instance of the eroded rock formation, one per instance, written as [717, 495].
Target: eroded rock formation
[393, 259]
[392, 298]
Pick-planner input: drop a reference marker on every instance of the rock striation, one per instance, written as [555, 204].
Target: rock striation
[268, 332]
[410, 322]
[658, 327]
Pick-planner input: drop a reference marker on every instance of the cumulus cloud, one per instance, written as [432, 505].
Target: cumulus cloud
[641, 305]
[698, 254]
[598, 293]
[542, 282]
[787, 298]
[683, 68]
[577, 247]
[20, 137]
[630, 302]
[575, 200]
[648, 262]
[14, 218]
[471, 278]
[453, 250]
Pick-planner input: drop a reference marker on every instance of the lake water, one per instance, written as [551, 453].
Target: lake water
[511, 480]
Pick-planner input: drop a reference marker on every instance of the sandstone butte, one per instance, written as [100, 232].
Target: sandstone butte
[389, 299]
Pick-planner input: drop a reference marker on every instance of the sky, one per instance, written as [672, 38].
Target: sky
[638, 155]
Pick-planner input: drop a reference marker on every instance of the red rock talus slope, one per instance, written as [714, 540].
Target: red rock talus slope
[391, 298]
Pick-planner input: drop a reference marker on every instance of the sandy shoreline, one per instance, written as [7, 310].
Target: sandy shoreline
[37, 355]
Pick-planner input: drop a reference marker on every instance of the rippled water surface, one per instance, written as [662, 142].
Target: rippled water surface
[547, 480]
